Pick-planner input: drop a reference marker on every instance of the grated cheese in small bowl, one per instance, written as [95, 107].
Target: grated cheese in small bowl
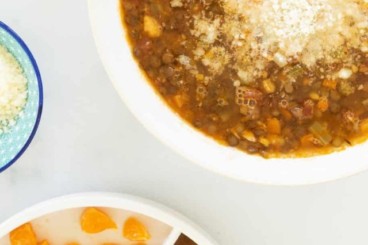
[13, 90]
[21, 97]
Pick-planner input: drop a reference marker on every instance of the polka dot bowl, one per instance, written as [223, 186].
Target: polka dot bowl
[15, 141]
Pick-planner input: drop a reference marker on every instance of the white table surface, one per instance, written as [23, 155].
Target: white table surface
[89, 141]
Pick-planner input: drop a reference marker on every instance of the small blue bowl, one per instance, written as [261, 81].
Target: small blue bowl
[15, 142]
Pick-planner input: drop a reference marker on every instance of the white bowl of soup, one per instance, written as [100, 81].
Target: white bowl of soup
[101, 218]
[232, 95]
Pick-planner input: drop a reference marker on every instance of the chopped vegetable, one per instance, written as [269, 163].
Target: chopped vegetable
[274, 126]
[286, 114]
[320, 131]
[152, 27]
[248, 135]
[307, 141]
[276, 140]
[23, 235]
[94, 220]
[364, 126]
[265, 142]
[179, 100]
[314, 96]
[135, 231]
[268, 86]
[323, 104]
[329, 83]
[346, 88]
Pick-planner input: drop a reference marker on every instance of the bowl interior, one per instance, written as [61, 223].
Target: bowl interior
[14, 142]
[158, 118]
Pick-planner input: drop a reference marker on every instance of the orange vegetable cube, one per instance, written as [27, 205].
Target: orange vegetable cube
[364, 126]
[135, 231]
[331, 84]
[45, 242]
[23, 235]
[273, 126]
[95, 221]
[286, 114]
[323, 104]
[307, 141]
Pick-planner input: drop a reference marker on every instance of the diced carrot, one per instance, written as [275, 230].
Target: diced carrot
[273, 126]
[23, 235]
[264, 141]
[248, 135]
[95, 221]
[323, 104]
[307, 140]
[275, 140]
[151, 26]
[179, 100]
[286, 114]
[364, 126]
[134, 230]
[328, 83]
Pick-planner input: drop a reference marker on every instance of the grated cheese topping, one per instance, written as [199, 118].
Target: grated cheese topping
[176, 3]
[13, 90]
[252, 33]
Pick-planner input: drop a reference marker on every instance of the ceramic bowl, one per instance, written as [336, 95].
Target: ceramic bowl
[14, 142]
[157, 117]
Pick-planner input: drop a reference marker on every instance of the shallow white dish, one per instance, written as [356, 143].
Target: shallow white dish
[134, 204]
[158, 118]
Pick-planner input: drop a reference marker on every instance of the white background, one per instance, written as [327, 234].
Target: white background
[89, 141]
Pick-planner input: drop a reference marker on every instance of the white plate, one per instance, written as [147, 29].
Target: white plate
[159, 119]
[148, 208]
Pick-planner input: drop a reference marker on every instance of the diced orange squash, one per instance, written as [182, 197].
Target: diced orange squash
[45, 242]
[328, 83]
[307, 140]
[94, 220]
[273, 126]
[286, 114]
[151, 26]
[134, 230]
[364, 126]
[23, 235]
[323, 104]
[275, 140]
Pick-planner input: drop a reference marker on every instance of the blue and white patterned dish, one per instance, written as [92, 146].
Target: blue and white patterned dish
[14, 143]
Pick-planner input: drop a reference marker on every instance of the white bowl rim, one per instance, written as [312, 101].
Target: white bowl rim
[109, 200]
[160, 120]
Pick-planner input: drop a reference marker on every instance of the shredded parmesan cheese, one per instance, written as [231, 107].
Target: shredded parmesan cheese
[256, 32]
[13, 90]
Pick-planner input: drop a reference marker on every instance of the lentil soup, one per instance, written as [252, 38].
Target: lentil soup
[272, 78]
